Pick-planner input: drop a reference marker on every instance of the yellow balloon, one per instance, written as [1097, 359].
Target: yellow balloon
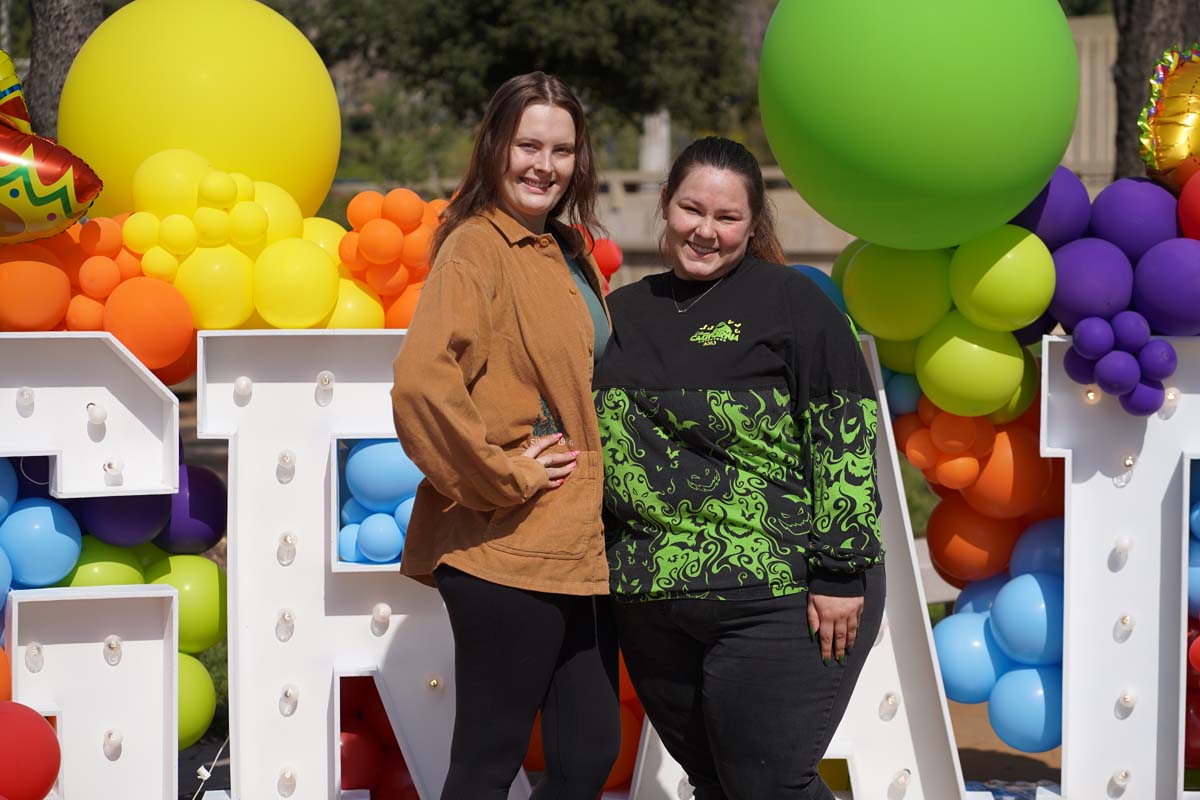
[218, 283]
[357, 306]
[247, 224]
[295, 284]
[326, 233]
[159, 263]
[218, 190]
[230, 79]
[140, 231]
[212, 226]
[284, 218]
[167, 183]
[177, 234]
[245, 185]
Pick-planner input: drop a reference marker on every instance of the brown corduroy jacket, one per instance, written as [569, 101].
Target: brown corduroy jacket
[500, 351]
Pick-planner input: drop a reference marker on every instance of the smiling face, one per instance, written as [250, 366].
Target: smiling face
[709, 224]
[541, 161]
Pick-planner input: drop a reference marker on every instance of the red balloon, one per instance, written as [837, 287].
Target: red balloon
[362, 757]
[44, 187]
[1189, 208]
[608, 256]
[29, 753]
[395, 782]
[1191, 731]
[355, 692]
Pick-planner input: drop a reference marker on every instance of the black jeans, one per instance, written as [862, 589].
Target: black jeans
[516, 651]
[738, 692]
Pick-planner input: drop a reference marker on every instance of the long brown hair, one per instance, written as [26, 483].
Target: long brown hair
[721, 153]
[480, 187]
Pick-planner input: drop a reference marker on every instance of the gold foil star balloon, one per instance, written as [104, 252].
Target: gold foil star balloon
[1170, 122]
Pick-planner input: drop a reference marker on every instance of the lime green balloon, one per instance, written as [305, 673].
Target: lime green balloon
[201, 586]
[147, 553]
[1002, 280]
[103, 564]
[918, 125]
[897, 294]
[897, 356]
[197, 700]
[968, 370]
[843, 260]
[1025, 395]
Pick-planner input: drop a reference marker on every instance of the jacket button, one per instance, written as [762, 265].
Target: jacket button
[543, 242]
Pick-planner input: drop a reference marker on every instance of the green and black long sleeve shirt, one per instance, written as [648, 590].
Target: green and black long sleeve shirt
[739, 440]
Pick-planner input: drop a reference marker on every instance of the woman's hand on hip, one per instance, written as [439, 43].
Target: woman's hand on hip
[558, 465]
[836, 620]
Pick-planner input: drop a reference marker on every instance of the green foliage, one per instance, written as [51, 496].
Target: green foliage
[921, 499]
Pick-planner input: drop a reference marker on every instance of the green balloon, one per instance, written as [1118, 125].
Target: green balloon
[1025, 395]
[103, 564]
[843, 260]
[147, 553]
[897, 356]
[197, 700]
[201, 586]
[1002, 280]
[918, 125]
[897, 294]
[967, 370]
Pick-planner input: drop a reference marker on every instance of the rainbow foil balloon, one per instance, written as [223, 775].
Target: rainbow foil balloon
[1170, 122]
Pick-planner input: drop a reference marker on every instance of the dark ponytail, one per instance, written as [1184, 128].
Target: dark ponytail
[726, 154]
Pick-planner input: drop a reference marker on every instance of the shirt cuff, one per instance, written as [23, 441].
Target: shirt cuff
[836, 584]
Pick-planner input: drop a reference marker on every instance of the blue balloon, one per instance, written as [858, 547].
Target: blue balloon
[5, 581]
[380, 475]
[8, 488]
[1025, 709]
[348, 544]
[885, 373]
[826, 285]
[977, 596]
[1193, 587]
[1040, 549]
[404, 513]
[42, 541]
[903, 393]
[353, 512]
[969, 657]
[1027, 618]
[380, 538]
[1194, 518]
[1194, 482]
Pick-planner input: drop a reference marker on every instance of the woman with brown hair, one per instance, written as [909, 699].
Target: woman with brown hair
[492, 400]
[738, 420]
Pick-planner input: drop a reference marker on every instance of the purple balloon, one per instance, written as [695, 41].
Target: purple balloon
[1145, 399]
[1166, 287]
[198, 513]
[1079, 369]
[1034, 331]
[1093, 278]
[1157, 360]
[124, 521]
[1135, 214]
[33, 476]
[1118, 373]
[1060, 213]
[1131, 330]
[1093, 338]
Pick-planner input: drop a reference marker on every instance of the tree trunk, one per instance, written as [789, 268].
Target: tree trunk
[59, 29]
[1145, 28]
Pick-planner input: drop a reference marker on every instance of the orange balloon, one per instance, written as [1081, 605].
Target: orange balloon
[129, 262]
[535, 757]
[433, 212]
[364, 206]
[98, 276]
[904, 427]
[950, 579]
[631, 737]
[957, 471]
[33, 296]
[28, 251]
[418, 274]
[966, 544]
[1032, 418]
[380, 241]
[5, 678]
[985, 438]
[939, 490]
[85, 314]
[65, 247]
[926, 410]
[921, 451]
[951, 433]
[1013, 478]
[626, 684]
[181, 368]
[930, 476]
[388, 279]
[405, 208]
[151, 318]
[399, 312]
[415, 252]
[101, 237]
[348, 252]
[1053, 501]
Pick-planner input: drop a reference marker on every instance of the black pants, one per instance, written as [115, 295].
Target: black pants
[516, 651]
[738, 692]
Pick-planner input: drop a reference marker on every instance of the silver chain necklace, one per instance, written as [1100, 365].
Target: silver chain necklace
[691, 305]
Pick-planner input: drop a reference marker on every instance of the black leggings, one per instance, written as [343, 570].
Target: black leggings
[516, 651]
[738, 692]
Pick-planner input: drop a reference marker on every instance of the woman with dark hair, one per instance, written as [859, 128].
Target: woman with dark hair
[492, 400]
[738, 421]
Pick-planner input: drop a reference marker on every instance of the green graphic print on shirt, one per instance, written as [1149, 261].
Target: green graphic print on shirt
[712, 491]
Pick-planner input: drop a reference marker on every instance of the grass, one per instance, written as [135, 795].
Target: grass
[216, 660]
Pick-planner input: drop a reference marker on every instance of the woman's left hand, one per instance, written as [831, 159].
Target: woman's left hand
[837, 620]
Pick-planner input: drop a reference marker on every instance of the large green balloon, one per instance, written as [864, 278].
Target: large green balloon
[197, 700]
[897, 356]
[1025, 395]
[897, 294]
[843, 260]
[967, 370]
[918, 125]
[103, 564]
[201, 586]
[1002, 280]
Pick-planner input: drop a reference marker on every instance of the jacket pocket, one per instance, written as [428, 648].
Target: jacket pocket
[556, 524]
